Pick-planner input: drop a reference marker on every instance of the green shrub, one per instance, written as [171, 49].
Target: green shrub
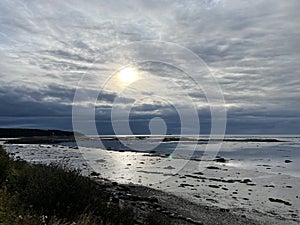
[50, 190]
[41, 194]
[4, 165]
[155, 218]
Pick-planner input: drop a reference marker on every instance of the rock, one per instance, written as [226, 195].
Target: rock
[186, 185]
[245, 181]
[269, 186]
[288, 161]
[280, 201]
[169, 168]
[220, 160]
[94, 174]
[213, 168]
[100, 161]
[198, 173]
[168, 139]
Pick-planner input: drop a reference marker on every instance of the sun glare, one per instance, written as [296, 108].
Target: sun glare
[128, 75]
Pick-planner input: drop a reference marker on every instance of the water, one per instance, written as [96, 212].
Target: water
[258, 154]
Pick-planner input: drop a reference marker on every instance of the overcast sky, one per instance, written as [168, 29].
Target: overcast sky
[252, 48]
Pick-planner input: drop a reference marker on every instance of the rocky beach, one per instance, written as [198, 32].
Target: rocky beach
[249, 182]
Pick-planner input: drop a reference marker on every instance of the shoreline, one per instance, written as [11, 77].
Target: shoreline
[261, 194]
[164, 208]
[173, 207]
[179, 210]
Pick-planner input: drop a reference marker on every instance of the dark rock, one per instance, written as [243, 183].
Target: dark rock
[288, 161]
[269, 186]
[280, 201]
[245, 181]
[168, 139]
[220, 160]
[186, 185]
[198, 173]
[213, 168]
[169, 168]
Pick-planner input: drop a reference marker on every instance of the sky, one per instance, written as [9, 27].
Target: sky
[52, 50]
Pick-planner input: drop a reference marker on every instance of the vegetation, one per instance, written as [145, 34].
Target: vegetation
[40, 194]
[22, 132]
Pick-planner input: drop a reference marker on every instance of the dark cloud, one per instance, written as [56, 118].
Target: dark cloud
[252, 48]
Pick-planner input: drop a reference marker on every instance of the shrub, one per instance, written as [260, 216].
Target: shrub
[53, 195]
[4, 165]
[155, 218]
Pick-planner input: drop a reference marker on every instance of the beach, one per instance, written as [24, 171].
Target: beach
[251, 178]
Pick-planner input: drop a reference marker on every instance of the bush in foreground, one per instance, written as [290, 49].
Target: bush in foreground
[40, 194]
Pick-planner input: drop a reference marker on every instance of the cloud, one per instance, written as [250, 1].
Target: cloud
[250, 47]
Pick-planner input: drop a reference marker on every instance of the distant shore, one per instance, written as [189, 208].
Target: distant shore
[38, 136]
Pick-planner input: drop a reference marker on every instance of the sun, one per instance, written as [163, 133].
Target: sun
[128, 75]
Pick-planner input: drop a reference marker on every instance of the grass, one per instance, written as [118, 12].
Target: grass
[40, 194]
